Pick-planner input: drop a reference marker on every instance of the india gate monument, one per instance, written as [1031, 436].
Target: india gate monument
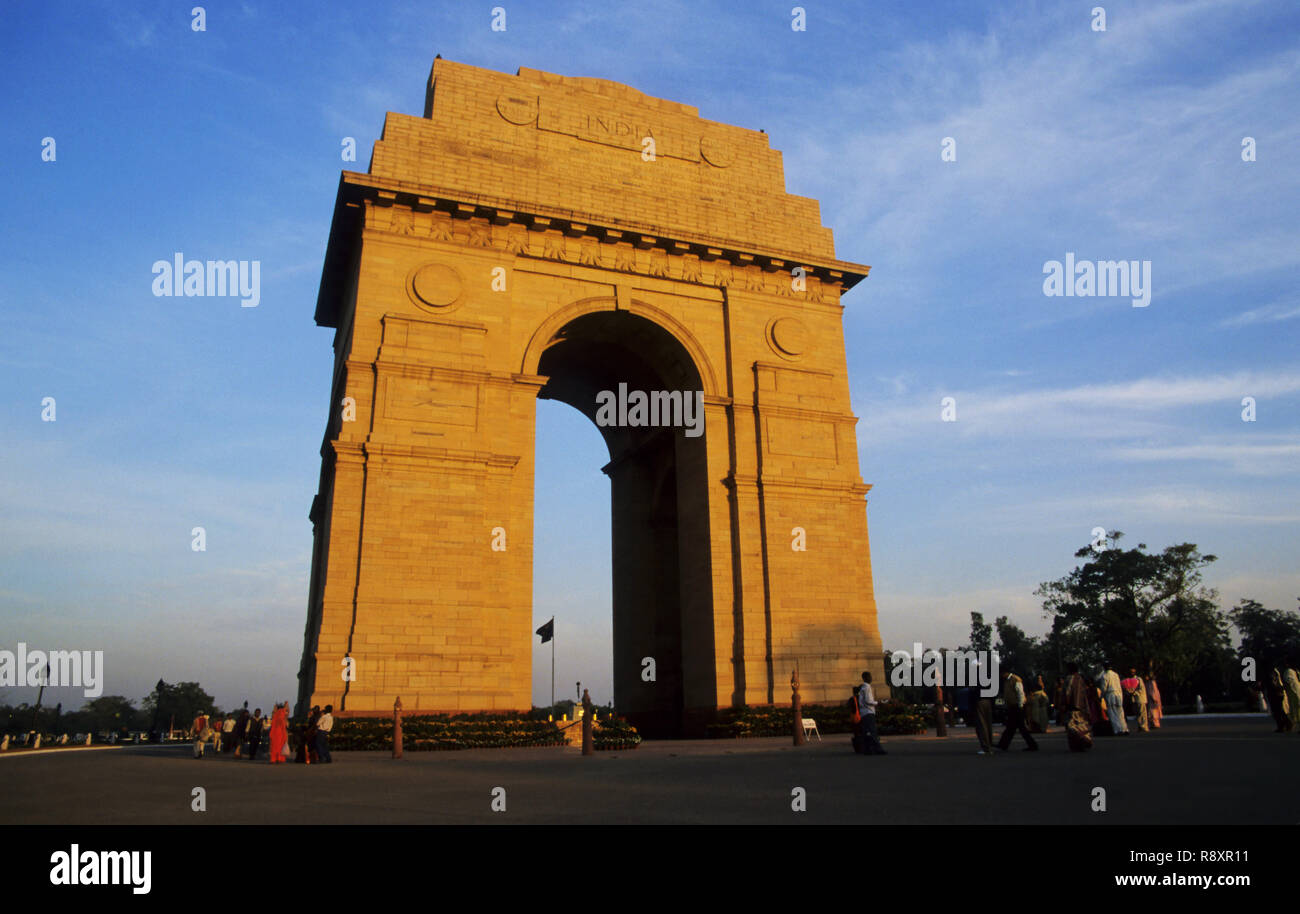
[535, 235]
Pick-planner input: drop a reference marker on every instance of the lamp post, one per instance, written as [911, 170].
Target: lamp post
[941, 719]
[36, 723]
[397, 727]
[587, 747]
[160, 689]
[797, 704]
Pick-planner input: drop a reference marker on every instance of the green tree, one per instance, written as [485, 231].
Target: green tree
[1064, 644]
[111, 713]
[1133, 608]
[179, 702]
[981, 634]
[1017, 652]
[12, 718]
[913, 694]
[24, 718]
[1270, 636]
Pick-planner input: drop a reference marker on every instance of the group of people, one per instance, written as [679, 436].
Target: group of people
[1086, 706]
[1083, 706]
[237, 733]
[231, 733]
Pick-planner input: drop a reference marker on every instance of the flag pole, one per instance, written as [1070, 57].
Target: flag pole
[552, 665]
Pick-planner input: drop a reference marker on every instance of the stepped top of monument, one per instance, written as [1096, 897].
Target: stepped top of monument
[588, 84]
[597, 154]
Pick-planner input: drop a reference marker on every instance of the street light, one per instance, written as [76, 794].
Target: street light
[36, 724]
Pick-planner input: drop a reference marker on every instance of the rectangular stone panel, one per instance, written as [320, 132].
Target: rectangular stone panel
[811, 439]
[440, 401]
[433, 341]
[792, 387]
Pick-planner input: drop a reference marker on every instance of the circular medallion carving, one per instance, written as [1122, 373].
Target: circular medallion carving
[716, 153]
[788, 337]
[435, 285]
[517, 109]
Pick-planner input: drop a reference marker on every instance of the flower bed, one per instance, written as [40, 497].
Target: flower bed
[614, 733]
[433, 733]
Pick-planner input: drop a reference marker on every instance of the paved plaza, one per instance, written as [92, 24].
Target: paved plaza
[1192, 771]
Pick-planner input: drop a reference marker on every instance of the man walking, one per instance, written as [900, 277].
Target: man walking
[254, 734]
[1112, 693]
[241, 731]
[867, 709]
[981, 709]
[1013, 693]
[228, 734]
[323, 728]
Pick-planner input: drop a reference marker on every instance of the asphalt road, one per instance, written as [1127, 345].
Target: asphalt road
[1206, 772]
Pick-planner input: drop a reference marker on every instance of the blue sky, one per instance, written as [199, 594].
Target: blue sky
[1072, 413]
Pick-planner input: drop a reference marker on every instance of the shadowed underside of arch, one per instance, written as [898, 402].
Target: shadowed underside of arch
[512, 244]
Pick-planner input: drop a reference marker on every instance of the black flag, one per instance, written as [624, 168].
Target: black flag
[547, 631]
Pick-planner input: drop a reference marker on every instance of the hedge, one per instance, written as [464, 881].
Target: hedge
[444, 732]
[433, 733]
[893, 718]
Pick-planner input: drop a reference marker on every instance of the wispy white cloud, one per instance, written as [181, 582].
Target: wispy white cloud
[1269, 314]
[1250, 457]
[1132, 507]
[133, 29]
[1047, 154]
[1110, 410]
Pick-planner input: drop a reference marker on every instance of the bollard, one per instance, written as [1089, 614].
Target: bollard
[587, 748]
[940, 719]
[798, 708]
[397, 727]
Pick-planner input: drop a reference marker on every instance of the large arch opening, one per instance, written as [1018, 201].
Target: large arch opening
[661, 595]
[571, 573]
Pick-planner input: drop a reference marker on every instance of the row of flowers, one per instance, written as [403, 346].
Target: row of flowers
[614, 733]
[452, 732]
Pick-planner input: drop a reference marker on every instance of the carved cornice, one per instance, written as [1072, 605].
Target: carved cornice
[425, 214]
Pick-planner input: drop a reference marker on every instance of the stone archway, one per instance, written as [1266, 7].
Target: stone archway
[517, 242]
[658, 498]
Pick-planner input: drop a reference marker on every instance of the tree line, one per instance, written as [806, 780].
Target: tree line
[1149, 611]
[169, 704]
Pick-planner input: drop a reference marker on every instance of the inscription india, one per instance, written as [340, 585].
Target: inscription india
[614, 129]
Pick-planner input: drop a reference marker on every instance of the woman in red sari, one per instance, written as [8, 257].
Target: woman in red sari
[279, 732]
